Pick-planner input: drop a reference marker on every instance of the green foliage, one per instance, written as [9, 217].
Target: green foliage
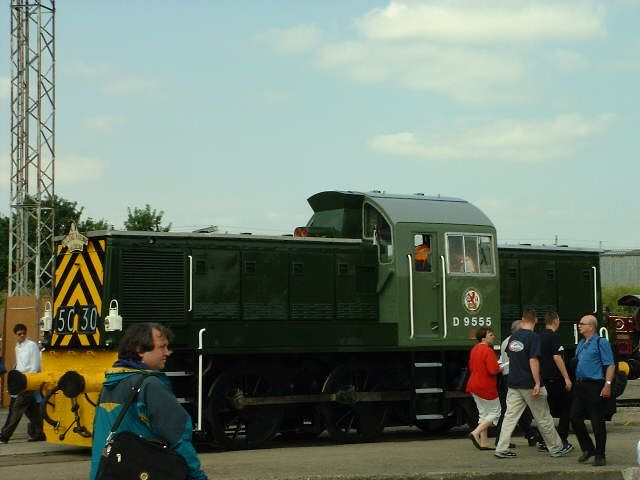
[612, 293]
[145, 219]
[90, 225]
[66, 211]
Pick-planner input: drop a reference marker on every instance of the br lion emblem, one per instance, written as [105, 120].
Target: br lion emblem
[471, 300]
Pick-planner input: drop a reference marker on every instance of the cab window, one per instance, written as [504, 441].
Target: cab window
[470, 254]
[422, 252]
[378, 229]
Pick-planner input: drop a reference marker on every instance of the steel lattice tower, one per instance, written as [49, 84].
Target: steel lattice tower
[31, 218]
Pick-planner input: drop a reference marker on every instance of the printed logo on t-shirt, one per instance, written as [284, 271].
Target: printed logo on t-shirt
[516, 346]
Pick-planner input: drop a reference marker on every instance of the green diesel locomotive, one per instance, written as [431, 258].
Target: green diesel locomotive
[361, 320]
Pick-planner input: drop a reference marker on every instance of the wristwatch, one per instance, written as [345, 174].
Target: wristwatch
[608, 382]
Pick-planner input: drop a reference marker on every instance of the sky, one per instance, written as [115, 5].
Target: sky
[233, 113]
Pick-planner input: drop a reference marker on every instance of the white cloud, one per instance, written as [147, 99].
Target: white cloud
[487, 22]
[72, 169]
[471, 76]
[69, 169]
[298, 39]
[476, 53]
[103, 122]
[511, 141]
[126, 86]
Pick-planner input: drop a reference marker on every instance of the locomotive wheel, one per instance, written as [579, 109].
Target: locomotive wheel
[252, 426]
[353, 422]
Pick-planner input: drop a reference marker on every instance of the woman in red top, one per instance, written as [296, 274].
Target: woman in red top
[482, 385]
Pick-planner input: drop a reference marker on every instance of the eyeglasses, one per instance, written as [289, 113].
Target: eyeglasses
[582, 324]
[21, 334]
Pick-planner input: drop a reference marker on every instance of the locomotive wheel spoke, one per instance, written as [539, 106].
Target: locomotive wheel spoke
[358, 422]
[251, 426]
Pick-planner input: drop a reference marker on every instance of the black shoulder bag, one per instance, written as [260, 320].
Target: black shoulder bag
[128, 456]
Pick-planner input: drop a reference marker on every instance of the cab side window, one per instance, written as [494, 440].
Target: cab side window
[470, 254]
[378, 229]
[422, 252]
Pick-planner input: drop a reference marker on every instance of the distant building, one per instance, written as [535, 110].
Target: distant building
[620, 267]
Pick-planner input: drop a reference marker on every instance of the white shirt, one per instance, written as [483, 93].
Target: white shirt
[27, 356]
[504, 358]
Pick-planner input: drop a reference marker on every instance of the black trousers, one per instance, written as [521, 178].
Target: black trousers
[24, 404]
[559, 404]
[525, 419]
[588, 404]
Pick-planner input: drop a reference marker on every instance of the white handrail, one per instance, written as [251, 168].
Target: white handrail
[190, 283]
[200, 346]
[444, 295]
[604, 332]
[413, 331]
[595, 290]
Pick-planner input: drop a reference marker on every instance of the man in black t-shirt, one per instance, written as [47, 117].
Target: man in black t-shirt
[525, 389]
[554, 374]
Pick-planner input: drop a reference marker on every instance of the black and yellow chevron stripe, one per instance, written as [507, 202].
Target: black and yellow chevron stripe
[78, 282]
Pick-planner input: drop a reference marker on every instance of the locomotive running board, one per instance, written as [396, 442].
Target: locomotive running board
[347, 397]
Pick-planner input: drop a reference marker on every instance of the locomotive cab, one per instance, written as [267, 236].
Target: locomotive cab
[437, 274]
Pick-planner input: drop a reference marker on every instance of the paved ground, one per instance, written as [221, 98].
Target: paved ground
[402, 454]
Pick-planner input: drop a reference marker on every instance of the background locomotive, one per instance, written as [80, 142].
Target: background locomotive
[361, 320]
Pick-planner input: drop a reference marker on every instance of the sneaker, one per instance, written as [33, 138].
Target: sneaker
[532, 441]
[505, 454]
[3, 440]
[37, 439]
[599, 461]
[563, 451]
[542, 447]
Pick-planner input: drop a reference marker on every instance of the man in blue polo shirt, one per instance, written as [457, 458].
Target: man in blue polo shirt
[592, 390]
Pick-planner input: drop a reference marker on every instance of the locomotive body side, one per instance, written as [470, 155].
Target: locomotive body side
[546, 278]
[348, 332]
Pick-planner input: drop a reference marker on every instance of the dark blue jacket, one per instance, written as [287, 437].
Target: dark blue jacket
[154, 414]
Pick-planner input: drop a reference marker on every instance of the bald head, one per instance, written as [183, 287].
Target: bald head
[590, 320]
[588, 325]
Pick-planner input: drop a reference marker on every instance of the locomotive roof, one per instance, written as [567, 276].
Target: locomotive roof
[550, 248]
[222, 236]
[405, 208]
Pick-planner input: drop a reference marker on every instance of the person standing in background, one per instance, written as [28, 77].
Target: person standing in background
[25, 403]
[594, 374]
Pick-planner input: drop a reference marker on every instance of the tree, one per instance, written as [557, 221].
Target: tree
[65, 211]
[145, 219]
[90, 225]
